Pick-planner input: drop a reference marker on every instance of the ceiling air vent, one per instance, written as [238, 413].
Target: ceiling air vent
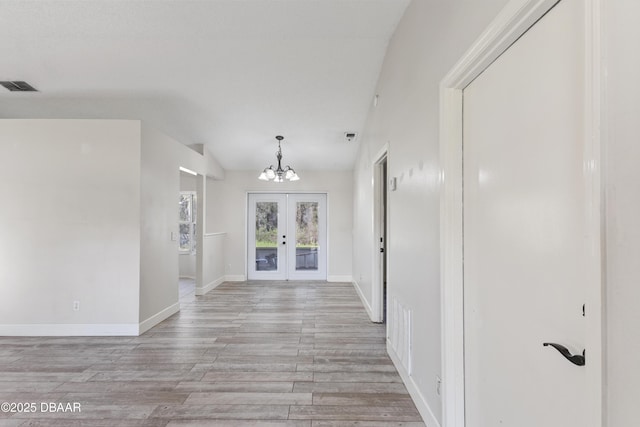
[18, 86]
[350, 136]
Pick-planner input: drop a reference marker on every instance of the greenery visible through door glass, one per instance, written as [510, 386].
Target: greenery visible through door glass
[187, 221]
[266, 224]
[307, 236]
[266, 236]
[307, 225]
[186, 205]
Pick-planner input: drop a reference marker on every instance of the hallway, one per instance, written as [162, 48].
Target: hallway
[277, 353]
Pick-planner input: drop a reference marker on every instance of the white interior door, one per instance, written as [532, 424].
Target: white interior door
[287, 236]
[267, 232]
[525, 229]
[307, 247]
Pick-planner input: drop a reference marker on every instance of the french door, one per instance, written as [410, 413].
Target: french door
[287, 236]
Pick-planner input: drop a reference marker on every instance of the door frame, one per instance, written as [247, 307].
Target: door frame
[285, 192]
[377, 297]
[512, 22]
[282, 251]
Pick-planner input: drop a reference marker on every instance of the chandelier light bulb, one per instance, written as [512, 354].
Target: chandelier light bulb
[271, 174]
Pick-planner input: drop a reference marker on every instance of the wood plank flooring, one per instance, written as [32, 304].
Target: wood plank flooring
[270, 354]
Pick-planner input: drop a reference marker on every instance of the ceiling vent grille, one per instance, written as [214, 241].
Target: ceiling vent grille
[18, 86]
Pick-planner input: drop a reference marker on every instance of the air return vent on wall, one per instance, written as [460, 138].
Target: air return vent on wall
[400, 333]
[18, 86]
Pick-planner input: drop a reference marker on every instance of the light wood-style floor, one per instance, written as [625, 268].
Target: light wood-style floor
[246, 354]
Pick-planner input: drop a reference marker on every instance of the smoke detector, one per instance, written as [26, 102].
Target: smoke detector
[18, 86]
[350, 136]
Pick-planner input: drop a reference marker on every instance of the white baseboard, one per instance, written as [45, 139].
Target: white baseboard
[69, 330]
[345, 279]
[157, 318]
[417, 397]
[210, 286]
[235, 278]
[363, 299]
[187, 277]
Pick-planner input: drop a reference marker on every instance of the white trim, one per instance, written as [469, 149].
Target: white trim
[340, 278]
[377, 288]
[152, 321]
[210, 286]
[365, 303]
[414, 391]
[245, 242]
[221, 233]
[201, 221]
[235, 278]
[327, 242]
[452, 291]
[70, 330]
[287, 192]
[595, 179]
[513, 21]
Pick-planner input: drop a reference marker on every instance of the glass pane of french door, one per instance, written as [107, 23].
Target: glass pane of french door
[307, 236]
[266, 246]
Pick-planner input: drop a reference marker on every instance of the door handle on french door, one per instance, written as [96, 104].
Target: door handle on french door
[576, 359]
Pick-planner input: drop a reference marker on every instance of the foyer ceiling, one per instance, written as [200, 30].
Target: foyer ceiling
[231, 74]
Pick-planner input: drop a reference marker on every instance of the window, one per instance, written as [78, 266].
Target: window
[187, 221]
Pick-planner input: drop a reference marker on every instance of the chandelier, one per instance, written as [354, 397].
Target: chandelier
[279, 174]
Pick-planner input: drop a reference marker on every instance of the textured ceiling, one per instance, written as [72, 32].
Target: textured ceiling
[231, 74]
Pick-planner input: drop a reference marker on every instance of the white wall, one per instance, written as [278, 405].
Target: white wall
[213, 274]
[159, 187]
[431, 37]
[161, 159]
[227, 206]
[70, 226]
[91, 207]
[623, 211]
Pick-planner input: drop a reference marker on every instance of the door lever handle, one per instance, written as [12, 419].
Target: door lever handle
[576, 359]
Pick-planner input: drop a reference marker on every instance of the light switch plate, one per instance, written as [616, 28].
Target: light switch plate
[392, 184]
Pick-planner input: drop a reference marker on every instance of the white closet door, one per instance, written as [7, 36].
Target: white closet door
[525, 229]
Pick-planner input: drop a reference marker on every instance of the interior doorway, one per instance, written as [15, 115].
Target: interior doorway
[187, 240]
[287, 236]
[380, 233]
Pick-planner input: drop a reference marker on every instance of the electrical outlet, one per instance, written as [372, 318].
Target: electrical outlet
[76, 306]
[438, 386]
